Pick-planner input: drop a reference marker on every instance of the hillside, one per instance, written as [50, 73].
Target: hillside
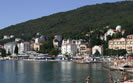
[76, 21]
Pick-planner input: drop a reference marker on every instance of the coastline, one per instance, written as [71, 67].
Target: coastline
[114, 68]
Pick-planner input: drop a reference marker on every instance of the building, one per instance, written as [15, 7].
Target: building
[58, 37]
[10, 47]
[122, 43]
[84, 49]
[37, 43]
[129, 36]
[17, 39]
[11, 36]
[37, 46]
[69, 49]
[57, 41]
[6, 37]
[24, 47]
[75, 42]
[98, 48]
[40, 39]
[111, 32]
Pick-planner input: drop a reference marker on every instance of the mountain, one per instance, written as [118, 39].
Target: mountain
[77, 21]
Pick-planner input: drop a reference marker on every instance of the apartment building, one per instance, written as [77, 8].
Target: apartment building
[122, 43]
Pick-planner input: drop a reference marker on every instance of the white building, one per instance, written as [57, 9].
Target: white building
[24, 47]
[6, 37]
[75, 42]
[11, 36]
[98, 48]
[17, 39]
[66, 41]
[110, 32]
[57, 41]
[69, 49]
[10, 47]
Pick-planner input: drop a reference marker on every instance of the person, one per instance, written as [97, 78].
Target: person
[74, 81]
[111, 78]
[87, 80]
[124, 79]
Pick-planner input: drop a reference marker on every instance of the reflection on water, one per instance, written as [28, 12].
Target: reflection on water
[52, 72]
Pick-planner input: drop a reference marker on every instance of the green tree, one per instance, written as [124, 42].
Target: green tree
[16, 49]
[54, 51]
[46, 47]
[122, 52]
[8, 53]
[112, 52]
[97, 53]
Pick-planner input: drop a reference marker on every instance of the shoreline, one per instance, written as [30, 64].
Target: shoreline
[113, 68]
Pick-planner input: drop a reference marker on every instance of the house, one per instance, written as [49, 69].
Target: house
[110, 32]
[57, 41]
[69, 49]
[76, 42]
[6, 37]
[98, 48]
[84, 49]
[122, 43]
[10, 47]
[37, 46]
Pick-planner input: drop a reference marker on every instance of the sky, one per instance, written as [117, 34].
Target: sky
[16, 11]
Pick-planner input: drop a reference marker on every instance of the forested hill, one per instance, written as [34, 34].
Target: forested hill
[76, 21]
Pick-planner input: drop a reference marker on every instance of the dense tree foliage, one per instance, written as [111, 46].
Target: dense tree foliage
[112, 52]
[77, 22]
[46, 47]
[16, 49]
[54, 52]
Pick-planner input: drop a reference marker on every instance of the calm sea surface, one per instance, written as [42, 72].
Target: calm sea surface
[52, 72]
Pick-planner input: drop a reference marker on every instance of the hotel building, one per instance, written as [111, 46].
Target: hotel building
[122, 43]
